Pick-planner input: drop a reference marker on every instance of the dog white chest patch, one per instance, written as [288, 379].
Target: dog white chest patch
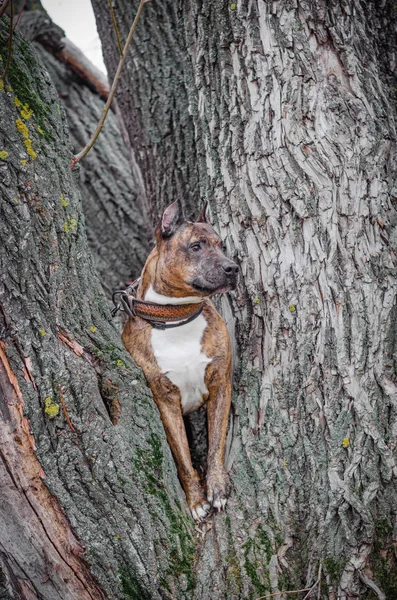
[179, 356]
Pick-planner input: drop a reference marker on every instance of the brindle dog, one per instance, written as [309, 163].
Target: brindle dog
[190, 364]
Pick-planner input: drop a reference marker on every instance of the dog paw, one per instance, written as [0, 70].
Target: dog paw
[200, 511]
[218, 488]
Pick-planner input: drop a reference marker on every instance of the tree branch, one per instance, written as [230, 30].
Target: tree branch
[3, 7]
[77, 157]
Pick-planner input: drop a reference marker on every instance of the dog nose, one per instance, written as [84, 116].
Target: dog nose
[230, 268]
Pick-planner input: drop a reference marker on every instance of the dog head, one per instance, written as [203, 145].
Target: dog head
[191, 256]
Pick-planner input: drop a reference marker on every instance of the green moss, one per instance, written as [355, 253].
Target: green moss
[181, 546]
[383, 561]
[383, 528]
[157, 452]
[233, 568]
[334, 568]
[257, 555]
[23, 63]
[131, 587]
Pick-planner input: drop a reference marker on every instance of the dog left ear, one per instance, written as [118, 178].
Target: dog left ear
[171, 219]
[202, 218]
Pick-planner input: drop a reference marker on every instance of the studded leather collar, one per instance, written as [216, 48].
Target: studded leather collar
[160, 316]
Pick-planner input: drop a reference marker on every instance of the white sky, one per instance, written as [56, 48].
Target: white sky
[77, 20]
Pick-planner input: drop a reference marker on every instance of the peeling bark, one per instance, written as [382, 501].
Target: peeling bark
[289, 129]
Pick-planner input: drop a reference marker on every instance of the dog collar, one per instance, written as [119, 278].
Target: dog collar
[160, 316]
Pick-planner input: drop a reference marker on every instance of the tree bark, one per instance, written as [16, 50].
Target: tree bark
[113, 201]
[283, 115]
[90, 502]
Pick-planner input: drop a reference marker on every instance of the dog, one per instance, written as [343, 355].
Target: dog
[182, 344]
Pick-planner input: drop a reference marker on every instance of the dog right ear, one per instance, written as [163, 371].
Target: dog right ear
[170, 221]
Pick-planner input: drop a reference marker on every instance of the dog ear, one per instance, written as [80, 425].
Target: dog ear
[171, 219]
[202, 218]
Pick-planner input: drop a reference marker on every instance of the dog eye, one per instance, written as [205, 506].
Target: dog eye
[196, 247]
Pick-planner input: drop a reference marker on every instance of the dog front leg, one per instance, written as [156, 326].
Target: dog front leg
[171, 416]
[218, 408]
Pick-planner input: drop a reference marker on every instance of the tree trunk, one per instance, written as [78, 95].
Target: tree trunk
[90, 503]
[113, 203]
[283, 115]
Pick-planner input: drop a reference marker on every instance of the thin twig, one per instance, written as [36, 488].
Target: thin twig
[279, 593]
[77, 157]
[116, 29]
[4, 7]
[4, 76]
[320, 566]
[19, 16]
[65, 412]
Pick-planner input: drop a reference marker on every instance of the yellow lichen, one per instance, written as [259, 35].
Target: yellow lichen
[1, 85]
[26, 112]
[51, 408]
[22, 128]
[292, 308]
[93, 329]
[9, 88]
[346, 442]
[17, 102]
[3, 155]
[42, 332]
[64, 202]
[31, 153]
[120, 363]
[39, 129]
[24, 162]
[29, 149]
[69, 225]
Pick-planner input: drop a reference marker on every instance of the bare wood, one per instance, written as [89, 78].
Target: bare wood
[38, 518]
[83, 67]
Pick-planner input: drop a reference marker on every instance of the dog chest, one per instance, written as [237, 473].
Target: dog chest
[179, 355]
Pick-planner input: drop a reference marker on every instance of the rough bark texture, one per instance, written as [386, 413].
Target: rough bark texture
[88, 508]
[289, 128]
[113, 203]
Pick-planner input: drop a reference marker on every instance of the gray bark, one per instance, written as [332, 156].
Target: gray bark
[113, 205]
[90, 506]
[289, 129]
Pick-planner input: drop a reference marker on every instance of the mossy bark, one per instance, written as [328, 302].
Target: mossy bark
[90, 502]
[283, 115]
[113, 203]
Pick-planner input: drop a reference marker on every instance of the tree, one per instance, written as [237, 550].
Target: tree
[113, 202]
[283, 115]
[81, 444]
